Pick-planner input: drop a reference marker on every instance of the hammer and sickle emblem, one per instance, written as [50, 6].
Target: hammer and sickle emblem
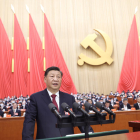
[105, 56]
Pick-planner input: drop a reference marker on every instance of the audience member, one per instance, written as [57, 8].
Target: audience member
[125, 105]
[108, 105]
[1, 112]
[137, 105]
[14, 111]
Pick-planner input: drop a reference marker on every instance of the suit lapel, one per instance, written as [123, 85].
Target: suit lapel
[47, 100]
[46, 97]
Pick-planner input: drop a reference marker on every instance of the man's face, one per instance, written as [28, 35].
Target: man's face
[90, 101]
[138, 100]
[101, 101]
[107, 105]
[53, 80]
[14, 106]
[125, 102]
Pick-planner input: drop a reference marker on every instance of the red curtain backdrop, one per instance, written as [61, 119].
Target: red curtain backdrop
[36, 59]
[19, 76]
[5, 63]
[54, 57]
[130, 73]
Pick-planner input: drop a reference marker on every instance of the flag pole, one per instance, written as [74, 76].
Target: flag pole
[27, 8]
[12, 44]
[43, 39]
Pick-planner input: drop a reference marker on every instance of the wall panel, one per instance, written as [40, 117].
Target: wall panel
[71, 22]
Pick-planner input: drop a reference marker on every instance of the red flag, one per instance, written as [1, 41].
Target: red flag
[36, 59]
[130, 74]
[5, 63]
[54, 57]
[19, 79]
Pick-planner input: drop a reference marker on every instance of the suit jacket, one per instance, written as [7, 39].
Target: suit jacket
[1, 113]
[122, 106]
[136, 106]
[24, 108]
[120, 102]
[111, 107]
[38, 109]
[4, 107]
[17, 111]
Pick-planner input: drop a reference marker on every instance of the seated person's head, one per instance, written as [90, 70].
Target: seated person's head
[107, 104]
[138, 99]
[15, 106]
[84, 100]
[2, 104]
[78, 101]
[89, 101]
[125, 101]
[101, 100]
[28, 100]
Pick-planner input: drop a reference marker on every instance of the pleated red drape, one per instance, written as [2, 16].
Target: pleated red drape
[130, 73]
[36, 59]
[5, 63]
[19, 76]
[54, 57]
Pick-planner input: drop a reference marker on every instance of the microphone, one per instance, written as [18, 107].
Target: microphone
[78, 107]
[53, 108]
[90, 107]
[99, 105]
[66, 107]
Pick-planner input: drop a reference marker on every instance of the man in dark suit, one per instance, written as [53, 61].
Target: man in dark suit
[125, 105]
[1, 112]
[38, 108]
[24, 105]
[107, 105]
[137, 105]
[91, 102]
[14, 111]
[3, 107]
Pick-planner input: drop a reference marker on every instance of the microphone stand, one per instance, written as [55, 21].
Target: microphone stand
[83, 120]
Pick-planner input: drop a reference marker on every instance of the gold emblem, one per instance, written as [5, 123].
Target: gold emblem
[105, 56]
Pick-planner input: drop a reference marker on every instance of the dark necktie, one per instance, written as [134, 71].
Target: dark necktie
[54, 101]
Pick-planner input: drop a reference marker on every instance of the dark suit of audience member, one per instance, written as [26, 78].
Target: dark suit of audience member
[17, 112]
[137, 106]
[122, 106]
[1, 112]
[111, 107]
[24, 107]
[120, 102]
[5, 103]
[4, 107]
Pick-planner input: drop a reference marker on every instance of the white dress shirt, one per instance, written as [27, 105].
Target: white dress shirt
[139, 105]
[56, 98]
[125, 107]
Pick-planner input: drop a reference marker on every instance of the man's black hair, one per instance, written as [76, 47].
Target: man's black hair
[107, 102]
[125, 99]
[90, 99]
[52, 68]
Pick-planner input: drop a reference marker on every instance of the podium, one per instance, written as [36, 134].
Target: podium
[92, 135]
[135, 125]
